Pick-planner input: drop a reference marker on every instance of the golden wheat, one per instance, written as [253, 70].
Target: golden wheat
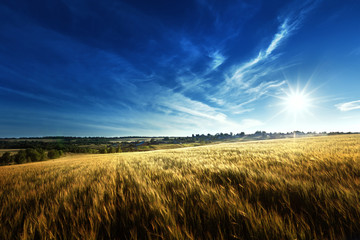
[280, 189]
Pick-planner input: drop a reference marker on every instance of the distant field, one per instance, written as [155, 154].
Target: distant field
[11, 151]
[133, 139]
[305, 188]
[169, 146]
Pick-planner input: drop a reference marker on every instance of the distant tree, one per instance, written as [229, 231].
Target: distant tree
[20, 157]
[257, 133]
[52, 154]
[6, 158]
[118, 149]
[112, 149]
[103, 150]
[35, 155]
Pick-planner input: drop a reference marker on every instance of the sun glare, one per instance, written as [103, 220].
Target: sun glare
[297, 102]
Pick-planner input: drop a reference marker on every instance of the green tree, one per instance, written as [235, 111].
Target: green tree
[20, 157]
[112, 149]
[118, 149]
[6, 158]
[32, 155]
[52, 154]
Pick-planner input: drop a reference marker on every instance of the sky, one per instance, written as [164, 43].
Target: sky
[174, 68]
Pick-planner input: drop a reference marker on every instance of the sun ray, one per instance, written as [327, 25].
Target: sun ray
[297, 102]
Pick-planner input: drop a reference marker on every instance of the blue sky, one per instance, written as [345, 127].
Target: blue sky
[152, 68]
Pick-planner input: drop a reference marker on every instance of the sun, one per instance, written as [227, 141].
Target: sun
[297, 102]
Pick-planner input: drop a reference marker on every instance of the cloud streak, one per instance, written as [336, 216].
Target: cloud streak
[217, 60]
[285, 30]
[28, 95]
[246, 83]
[239, 75]
[348, 106]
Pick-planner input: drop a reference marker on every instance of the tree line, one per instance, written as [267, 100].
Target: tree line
[30, 155]
[41, 149]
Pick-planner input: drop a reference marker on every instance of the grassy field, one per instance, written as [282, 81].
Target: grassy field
[278, 189]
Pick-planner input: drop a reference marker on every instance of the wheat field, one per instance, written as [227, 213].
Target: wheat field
[305, 188]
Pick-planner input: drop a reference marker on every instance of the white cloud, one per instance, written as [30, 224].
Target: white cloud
[284, 30]
[264, 87]
[217, 59]
[242, 80]
[217, 101]
[191, 83]
[348, 106]
[180, 103]
[248, 67]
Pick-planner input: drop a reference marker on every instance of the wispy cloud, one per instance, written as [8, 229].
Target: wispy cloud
[249, 81]
[191, 82]
[28, 95]
[348, 106]
[217, 60]
[264, 87]
[180, 103]
[238, 77]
